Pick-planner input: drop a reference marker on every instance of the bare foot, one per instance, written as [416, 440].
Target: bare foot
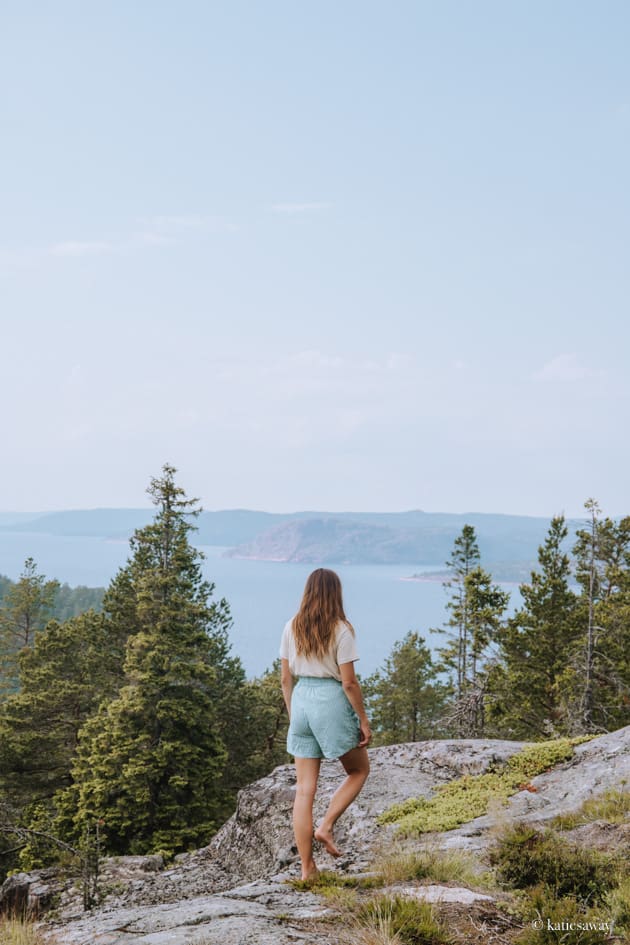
[325, 837]
[310, 874]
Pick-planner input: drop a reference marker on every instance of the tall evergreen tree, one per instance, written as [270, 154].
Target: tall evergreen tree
[596, 683]
[405, 699]
[25, 608]
[464, 558]
[150, 763]
[64, 676]
[525, 692]
[476, 606]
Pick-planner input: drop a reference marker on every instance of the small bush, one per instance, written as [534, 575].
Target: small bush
[403, 919]
[617, 902]
[527, 857]
[549, 920]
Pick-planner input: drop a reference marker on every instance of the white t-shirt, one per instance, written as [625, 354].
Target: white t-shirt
[343, 650]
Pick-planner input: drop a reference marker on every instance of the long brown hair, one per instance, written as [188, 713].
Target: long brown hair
[320, 612]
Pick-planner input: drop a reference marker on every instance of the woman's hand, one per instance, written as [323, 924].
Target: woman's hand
[365, 734]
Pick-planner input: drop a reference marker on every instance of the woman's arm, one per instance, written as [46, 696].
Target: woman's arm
[286, 680]
[352, 689]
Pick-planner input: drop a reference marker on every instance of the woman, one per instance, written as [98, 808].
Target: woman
[326, 714]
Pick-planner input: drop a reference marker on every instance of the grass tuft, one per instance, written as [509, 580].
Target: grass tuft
[20, 932]
[612, 806]
[401, 920]
[440, 866]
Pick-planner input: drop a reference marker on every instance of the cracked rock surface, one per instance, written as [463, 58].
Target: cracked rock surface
[234, 891]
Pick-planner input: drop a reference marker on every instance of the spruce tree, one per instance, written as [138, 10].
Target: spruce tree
[596, 682]
[404, 698]
[25, 608]
[64, 677]
[477, 606]
[525, 689]
[464, 558]
[150, 763]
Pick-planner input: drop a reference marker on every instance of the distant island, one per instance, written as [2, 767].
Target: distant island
[508, 543]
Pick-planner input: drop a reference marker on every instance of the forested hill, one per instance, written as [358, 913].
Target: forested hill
[321, 537]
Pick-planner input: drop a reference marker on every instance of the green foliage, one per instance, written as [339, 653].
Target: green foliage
[151, 762]
[465, 798]
[64, 676]
[413, 921]
[524, 695]
[596, 681]
[72, 601]
[271, 723]
[25, 608]
[526, 857]
[404, 698]
[549, 920]
[477, 606]
[617, 902]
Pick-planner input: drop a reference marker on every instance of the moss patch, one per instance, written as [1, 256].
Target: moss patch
[468, 797]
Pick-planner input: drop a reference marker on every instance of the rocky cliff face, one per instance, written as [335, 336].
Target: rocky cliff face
[234, 891]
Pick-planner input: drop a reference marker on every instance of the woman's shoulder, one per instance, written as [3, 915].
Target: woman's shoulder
[343, 627]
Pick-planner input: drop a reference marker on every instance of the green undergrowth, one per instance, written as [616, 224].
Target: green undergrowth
[612, 806]
[565, 892]
[470, 796]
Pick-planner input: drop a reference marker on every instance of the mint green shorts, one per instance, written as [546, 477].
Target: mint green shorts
[323, 723]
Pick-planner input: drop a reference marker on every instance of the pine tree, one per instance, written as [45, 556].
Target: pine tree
[477, 607]
[64, 676]
[404, 698]
[596, 683]
[26, 606]
[464, 558]
[150, 763]
[525, 691]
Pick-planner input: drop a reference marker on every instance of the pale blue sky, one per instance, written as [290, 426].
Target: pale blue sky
[339, 255]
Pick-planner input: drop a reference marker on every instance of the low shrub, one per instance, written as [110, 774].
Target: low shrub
[549, 920]
[528, 857]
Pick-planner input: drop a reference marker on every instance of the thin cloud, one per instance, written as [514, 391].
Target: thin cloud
[564, 367]
[293, 208]
[78, 248]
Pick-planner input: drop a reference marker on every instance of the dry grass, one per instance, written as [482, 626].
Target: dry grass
[440, 866]
[21, 932]
[612, 806]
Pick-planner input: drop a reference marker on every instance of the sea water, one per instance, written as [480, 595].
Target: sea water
[381, 602]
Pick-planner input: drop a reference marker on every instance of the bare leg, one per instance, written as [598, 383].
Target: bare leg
[307, 771]
[357, 767]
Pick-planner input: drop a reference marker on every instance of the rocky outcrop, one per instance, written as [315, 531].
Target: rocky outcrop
[235, 891]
